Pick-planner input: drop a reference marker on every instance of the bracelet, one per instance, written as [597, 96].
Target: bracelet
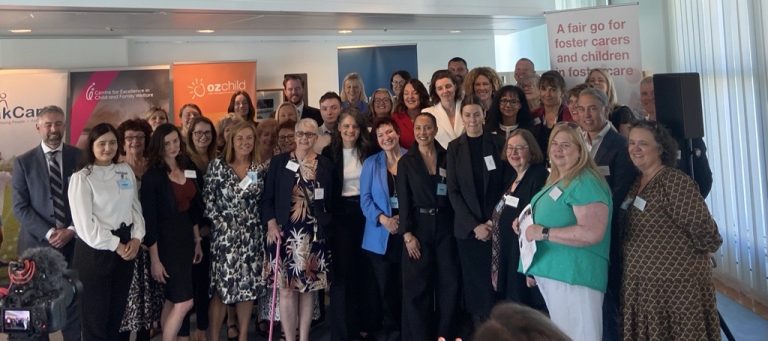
[545, 233]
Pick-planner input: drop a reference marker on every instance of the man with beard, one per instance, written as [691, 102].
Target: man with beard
[458, 67]
[40, 183]
[293, 91]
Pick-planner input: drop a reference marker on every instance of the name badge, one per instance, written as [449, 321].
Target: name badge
[393, 203]
[489, 163]
[639, 203]
[442, 189]
[190, 174]
[511, 200]
[441, 172]
[245, 182]
[604, 170]
[254, 176]
[319, 193]
[292, 165]
[626, 203]
[124, 184]
[536, 121]
[679, 155]
[555, 193]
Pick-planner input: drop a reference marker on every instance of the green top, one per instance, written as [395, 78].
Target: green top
[586, 266]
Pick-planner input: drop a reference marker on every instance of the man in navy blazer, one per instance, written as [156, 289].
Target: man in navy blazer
[32, 197]
[33, 200]
[293, 91]
[609, 150]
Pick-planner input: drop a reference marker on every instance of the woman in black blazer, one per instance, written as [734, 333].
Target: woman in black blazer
[172, 205]
[529, 173]
[352, 275]
[476, 178]
[430, 266]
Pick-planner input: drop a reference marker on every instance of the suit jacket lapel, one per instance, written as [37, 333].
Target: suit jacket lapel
[464, 159]
[605, 144]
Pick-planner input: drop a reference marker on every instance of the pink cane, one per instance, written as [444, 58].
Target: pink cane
[274, 289]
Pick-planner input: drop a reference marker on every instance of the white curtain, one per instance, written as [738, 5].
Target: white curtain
[725, 42]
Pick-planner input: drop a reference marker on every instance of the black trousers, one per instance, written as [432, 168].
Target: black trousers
[351, 274]
[387, 274]
[431, 283]
[479, 297]
[106, 278]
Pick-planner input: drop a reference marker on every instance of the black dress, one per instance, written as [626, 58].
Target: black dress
[511, 284]
[170, 214]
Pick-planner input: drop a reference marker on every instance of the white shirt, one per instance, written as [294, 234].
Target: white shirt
[300, 108]
[445, 131]
[101, 198]
[594, 144]
[352, 167]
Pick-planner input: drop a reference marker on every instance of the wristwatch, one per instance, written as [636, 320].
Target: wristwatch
[545, 233]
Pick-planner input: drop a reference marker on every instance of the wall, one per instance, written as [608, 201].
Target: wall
[314, 55]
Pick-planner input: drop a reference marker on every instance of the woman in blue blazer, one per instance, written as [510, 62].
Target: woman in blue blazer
[378, 200]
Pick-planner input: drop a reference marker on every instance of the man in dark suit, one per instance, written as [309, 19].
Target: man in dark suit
[293, 91]
[609, 150]
[40, 183]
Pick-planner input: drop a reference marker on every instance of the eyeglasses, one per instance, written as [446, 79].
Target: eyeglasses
[202, 133]
[570, 124]
[381, 101]
[286, 137]
[509, 102]
[560, 145]
[518, 149]
[308, 135]
[398, 82]
[134, 137]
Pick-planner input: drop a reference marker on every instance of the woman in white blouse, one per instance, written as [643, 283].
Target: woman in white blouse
[446, 95]
[109, 225]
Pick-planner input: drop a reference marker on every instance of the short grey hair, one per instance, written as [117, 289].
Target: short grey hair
[597, 94]
[308, 123]
[51, 109]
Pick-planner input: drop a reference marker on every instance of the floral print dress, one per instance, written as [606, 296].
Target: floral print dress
[304, 255]
[237, 235]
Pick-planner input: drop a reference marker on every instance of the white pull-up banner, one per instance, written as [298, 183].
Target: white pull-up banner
[598, 37]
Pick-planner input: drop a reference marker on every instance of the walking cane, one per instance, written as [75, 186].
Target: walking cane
[274, 289]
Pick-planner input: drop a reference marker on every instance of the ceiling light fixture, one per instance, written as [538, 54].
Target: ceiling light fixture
[455, 31]
[345, 31]
[205, 31]
[20, 30]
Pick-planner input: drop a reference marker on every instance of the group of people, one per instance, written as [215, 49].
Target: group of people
[408, 208]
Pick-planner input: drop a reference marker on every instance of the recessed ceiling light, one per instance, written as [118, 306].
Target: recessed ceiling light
[205, 31]
[455, 31]
[20, 30]
[345, 31]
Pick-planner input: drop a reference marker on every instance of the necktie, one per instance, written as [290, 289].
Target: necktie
[57, 189]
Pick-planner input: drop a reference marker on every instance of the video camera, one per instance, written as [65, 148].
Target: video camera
[37, 298]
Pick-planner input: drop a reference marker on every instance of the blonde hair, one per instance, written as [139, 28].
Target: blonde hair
[469, 81]
[584, 163]
[354, 77]
[285, 104]
[611, 93]
[229, 150]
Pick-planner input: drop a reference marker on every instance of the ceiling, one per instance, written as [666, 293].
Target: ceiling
[101, 23]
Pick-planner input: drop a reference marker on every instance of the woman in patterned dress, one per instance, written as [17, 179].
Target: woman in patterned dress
[667, 290]
[296, 214]
[145, 297]
[233, 187]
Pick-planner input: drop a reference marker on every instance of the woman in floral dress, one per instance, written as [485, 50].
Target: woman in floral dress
[233, 188]
[295, 211]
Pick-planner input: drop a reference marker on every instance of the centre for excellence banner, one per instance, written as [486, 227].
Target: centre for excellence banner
[113, 96]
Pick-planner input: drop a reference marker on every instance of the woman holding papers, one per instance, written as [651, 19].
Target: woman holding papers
[529, 175]
[571, 216]
[430, 267]
[379, 201]
[667, 290]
